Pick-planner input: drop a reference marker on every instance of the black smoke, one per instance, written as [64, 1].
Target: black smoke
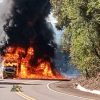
[26, 26]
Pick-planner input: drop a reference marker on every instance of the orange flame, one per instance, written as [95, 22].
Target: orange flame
[16, 56]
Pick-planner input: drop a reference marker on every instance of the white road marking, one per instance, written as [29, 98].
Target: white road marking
[68, 94]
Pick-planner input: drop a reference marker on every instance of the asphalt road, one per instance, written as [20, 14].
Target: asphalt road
[32, 90]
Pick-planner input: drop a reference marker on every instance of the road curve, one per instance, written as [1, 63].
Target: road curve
[32, 90]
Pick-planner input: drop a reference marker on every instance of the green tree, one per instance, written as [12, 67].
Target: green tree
[81, 21]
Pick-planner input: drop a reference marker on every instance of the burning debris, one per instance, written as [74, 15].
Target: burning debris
[31, 45]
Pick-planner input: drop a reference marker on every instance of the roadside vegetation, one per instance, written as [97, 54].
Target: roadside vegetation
[81, 39]
[16, 88]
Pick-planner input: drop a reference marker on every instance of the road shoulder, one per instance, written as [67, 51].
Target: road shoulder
[67, 87]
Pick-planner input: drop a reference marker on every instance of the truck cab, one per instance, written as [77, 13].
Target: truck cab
[9, 72]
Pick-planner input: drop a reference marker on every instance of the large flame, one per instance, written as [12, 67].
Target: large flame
[19, 58]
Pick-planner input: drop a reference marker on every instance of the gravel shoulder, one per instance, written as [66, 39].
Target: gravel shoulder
[68, 88]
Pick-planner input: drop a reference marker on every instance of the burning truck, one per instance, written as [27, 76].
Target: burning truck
[16, 65]
[9, 71]
[30, 47]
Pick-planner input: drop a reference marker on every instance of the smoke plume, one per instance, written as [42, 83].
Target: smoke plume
[26, 27]
[5, 7]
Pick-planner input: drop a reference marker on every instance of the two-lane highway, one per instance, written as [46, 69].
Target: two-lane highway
[32, 90]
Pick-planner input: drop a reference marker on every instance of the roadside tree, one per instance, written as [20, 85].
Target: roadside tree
[81, 21]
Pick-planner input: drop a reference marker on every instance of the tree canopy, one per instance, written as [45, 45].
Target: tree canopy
[81, 22]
